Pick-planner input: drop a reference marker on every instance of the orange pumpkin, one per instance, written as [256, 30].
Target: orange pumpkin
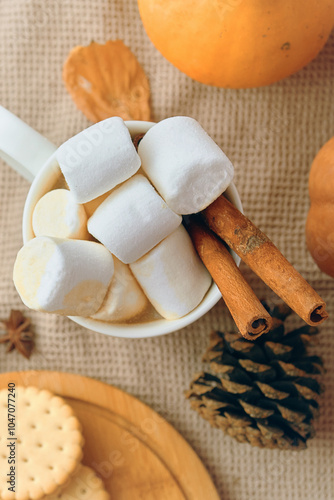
[238, 43]
[320, 219]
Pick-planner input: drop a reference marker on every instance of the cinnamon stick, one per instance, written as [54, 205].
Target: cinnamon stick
[261, 255]
[251, 318]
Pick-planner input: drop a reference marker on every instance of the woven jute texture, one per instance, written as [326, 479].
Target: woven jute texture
[271, 134]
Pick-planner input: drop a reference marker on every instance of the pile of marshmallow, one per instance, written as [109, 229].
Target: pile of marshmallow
[133, 249]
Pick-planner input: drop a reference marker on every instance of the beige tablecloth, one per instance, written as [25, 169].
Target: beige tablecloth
[271, 134]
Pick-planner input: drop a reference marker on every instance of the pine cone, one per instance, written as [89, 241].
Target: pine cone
[261, 392]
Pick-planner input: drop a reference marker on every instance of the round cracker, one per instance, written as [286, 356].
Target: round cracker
[48, 445]
[83, 485]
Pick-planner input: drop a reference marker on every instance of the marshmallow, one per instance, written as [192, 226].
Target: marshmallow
[58, 214]
[184, 164]
[132, 220]
[172, 276]
[69, 277]
[97, 159]
[125, 299]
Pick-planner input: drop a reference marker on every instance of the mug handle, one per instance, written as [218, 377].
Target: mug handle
[21, 146]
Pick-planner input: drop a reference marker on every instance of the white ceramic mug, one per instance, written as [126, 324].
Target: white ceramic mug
[33, 156]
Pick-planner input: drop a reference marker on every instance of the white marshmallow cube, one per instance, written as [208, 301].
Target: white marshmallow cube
[125, 299]
[188, 169]
[98, 159]
[132, 220]
[69, 277]
[172, 276]
[58, 214]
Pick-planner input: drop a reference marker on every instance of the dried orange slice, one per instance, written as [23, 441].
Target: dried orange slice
[107, 80]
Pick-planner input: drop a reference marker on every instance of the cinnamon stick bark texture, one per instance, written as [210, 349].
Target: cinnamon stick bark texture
[251, 318]
[261, 255]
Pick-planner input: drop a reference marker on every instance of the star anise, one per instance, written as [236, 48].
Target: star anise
[18, 334]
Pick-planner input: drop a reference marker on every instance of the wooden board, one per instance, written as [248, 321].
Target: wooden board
[136, 452]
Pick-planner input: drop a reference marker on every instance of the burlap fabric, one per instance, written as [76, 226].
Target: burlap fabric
[271, 134]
